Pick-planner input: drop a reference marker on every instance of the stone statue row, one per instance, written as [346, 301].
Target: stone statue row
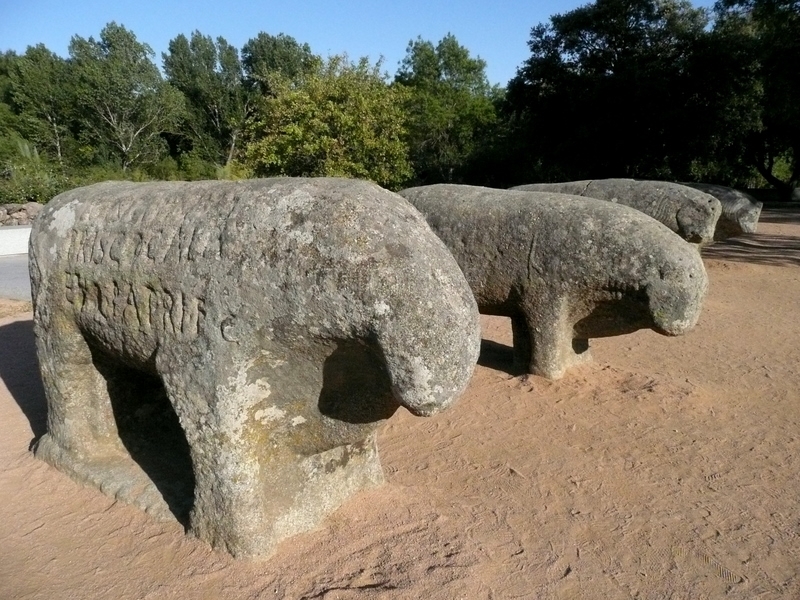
[683, 207]
[280, 321]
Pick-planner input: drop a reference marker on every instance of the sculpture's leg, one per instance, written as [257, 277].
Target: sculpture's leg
[83, 439]
[251, 492]
[80, 420]
[551, 340]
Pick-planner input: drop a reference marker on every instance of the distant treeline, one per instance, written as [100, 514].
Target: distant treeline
[619, 88]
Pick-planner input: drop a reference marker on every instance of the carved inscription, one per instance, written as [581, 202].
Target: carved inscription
[169, 246]
[150, 308]
[146, 308]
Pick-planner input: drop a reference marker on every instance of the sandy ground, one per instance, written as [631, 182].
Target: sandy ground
[667, 468]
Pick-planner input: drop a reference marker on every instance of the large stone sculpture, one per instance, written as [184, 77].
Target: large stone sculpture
[690, 213]
[565, 268]
[285, 318]
[740, 211]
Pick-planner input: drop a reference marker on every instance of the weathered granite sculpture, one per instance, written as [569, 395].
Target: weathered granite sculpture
[690, 213]
[565, 268]
[285, 318]
[740, 211]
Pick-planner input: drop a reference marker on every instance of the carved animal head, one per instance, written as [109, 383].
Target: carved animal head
[402, 291]
[676, 291]
[698, 219]
[740, 211]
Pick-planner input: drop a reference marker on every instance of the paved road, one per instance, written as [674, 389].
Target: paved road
[14, 281]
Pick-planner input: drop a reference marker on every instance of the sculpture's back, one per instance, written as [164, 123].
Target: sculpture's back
[690, 213]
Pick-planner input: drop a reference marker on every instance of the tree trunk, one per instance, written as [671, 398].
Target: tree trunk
[232, 148]
[794, 180]
[785, 190]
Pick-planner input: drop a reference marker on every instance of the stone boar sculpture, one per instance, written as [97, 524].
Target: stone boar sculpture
[740, 211]
[565, 268]
[690, 213]
[285, 318]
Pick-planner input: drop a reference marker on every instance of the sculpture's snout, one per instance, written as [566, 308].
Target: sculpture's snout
[698, 220]
[431, 345]
[431, 370]
[676, 293]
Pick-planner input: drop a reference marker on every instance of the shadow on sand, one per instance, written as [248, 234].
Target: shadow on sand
[147, 424]
[780, 212]
[760, 248]
[19, 370]
[498, 357]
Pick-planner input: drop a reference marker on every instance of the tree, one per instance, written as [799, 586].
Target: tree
[41, 87]
[341, 119]
[450, 106]
[448, 63]
[266, 55]
[724, 108]
[210, 75]
[766, 34]
[126, 103]
[7, 61]
[608, 92]
[25, 176]
[9, 121]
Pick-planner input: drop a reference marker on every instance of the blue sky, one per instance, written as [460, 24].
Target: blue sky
[496, 31]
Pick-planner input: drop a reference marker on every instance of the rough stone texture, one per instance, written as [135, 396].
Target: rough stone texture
[740, 211]
[565, 268]
[688, 212]
[19, 214]
[222, 352]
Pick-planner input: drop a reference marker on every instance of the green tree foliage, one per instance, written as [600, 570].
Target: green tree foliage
[42, 88]
[210, 75]
[9, 120]
[722, 111]
[765, 36]
[340, 119]
[126, 105]
[24, 175]
[450, 107]
[603, 90]
[265, 55]
[607, 91]
[27, 177]
[645, 88]
[641, 88]
[7, 61]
